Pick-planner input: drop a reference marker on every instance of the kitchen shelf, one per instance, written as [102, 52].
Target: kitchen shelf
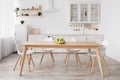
[28, 12]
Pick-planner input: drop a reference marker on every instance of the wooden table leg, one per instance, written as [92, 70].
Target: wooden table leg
[23, 59]
[99, 62]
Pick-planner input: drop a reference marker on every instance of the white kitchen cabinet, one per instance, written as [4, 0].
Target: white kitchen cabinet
[85, 12]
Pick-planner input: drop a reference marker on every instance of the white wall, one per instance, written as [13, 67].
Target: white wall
[58, 22]
[51, 23]
[110, 21]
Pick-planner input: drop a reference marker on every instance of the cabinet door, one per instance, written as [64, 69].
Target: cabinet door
[94, 12]
[74, 12]
[84, 13]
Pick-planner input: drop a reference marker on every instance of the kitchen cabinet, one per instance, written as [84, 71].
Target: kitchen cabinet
[85, 12]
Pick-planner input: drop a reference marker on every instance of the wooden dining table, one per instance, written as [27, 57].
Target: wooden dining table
[51, 44]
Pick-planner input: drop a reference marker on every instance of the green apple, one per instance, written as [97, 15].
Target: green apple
[56, 40]
[59, 40]
[62, 40]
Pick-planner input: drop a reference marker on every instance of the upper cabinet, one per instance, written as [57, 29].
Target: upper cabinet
[84, 13]
[94, 12]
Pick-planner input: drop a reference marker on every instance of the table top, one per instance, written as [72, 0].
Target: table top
[51, 44]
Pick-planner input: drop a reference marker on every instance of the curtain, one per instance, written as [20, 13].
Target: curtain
[7, 21]
[0, 49]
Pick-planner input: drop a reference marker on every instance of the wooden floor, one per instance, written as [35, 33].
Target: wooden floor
[59, 71]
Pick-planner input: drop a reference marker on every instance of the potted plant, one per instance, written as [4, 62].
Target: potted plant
[39, 13]
[16, 10]
[22, 21]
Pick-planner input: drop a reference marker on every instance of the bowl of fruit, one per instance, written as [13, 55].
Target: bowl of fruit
[59, 40]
